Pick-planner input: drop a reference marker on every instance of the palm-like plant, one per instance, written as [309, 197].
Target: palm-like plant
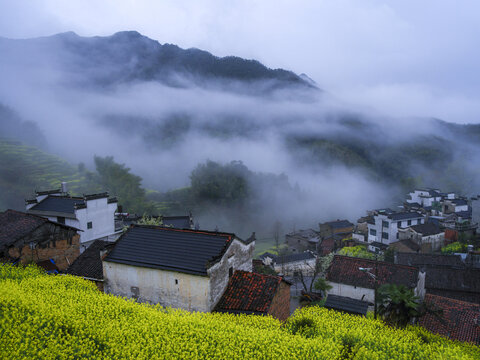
[397, 304]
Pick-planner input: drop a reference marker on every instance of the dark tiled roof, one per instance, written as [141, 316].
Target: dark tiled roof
[343, 303]
[267, 254]
[58, 204]
[453, 279]
[248, 292]
[426, 229]
[307, 255]
[459, 202]
[339, 224]
[187, 251]
[308, 233]
[345, 270]
[404, 216]
[179, 222]
[458, 320]
[425, 260]
[89, 263]
[464, 214]
[408, 243]
[14, 225]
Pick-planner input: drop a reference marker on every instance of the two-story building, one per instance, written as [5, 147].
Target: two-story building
[181, 268]
[384, 226]
[93, 214]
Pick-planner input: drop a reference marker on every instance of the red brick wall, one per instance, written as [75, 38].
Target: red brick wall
[59, 250]
[280, 307]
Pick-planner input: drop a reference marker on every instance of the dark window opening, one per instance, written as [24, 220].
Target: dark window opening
[61, 220]
[230, 272]
[409, 222]
[176, 282]
[89, 225]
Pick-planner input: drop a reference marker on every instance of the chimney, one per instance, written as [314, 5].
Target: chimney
[64, 188]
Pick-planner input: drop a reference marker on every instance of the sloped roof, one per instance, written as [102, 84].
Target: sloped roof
[14, 225]
[89, 263]
[457, 320]
[249, 293]
[404, 216]
[459, 202]
[339, 224]
[188, 251]
[426, 229]
[61, 204]
[307, 255]
[425, 260]
[453, 279]
[267, 254]
[343, 303]
[345, 270]
[407, 243]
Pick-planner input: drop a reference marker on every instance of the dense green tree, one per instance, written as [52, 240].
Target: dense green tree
[220, 184]
[397, 304]
[119, 182]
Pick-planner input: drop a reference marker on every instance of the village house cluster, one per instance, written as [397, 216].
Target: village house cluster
[180, 265]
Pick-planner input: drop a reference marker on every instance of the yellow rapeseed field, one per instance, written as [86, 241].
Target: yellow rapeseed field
[63, 317]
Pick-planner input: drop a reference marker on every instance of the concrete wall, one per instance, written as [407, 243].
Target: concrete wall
[288, 269]
[102, 216]
[167, 288]
[237, 257]
[280, 306]
[391, 230]
[354, 292]
[175, 289]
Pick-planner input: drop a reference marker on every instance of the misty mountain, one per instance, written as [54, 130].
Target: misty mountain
[129, 56]
[162, 110]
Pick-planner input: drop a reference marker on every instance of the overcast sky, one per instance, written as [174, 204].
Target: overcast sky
[403, 57]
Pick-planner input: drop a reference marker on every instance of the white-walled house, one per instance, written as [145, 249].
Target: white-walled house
[180, 268]
[346, 278]
[428, 236]
[386, 223]
[93, 214]
[289, 265]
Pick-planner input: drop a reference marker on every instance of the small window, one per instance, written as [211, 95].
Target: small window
[89, 225]
[397, 235]
[385, 224]
[230, 272]
[399, 224]
[384, 235]
[61, 220]
[176, 281]
[373, 232]
[409, 222]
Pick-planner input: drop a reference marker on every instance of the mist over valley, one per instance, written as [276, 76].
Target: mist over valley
[237, 143]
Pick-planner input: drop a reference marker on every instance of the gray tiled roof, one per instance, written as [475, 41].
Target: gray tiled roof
[426, 229]
[58, 204]
[187, 251]
[405, 216]
[339, 224]
[307, 255]
[343, 303]
[89, 263]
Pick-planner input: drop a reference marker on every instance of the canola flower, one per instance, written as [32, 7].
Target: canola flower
[63, 317]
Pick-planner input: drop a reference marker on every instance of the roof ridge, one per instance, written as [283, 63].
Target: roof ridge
[378, 261]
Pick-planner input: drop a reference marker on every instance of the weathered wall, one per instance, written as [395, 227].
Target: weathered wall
[354, 292]
[307, 267]
[238, 257]
[167, 288]
[280, 307]
[51, 242]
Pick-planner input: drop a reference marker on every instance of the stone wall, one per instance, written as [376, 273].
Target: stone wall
[50, 242]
